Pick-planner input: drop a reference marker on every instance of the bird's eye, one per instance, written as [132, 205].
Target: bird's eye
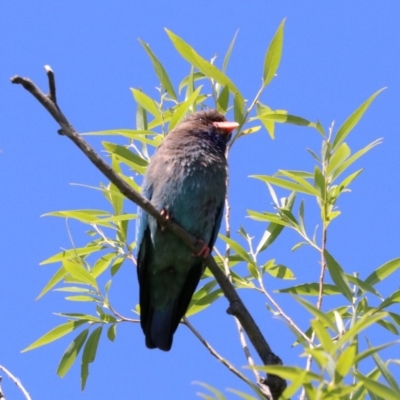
[200, 119]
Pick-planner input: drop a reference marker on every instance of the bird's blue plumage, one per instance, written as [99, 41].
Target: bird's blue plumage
[186, 179]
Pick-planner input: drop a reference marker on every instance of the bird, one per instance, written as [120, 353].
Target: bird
[186, 180]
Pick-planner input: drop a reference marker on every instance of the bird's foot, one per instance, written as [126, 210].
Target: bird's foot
[167, 216]
[204, 252]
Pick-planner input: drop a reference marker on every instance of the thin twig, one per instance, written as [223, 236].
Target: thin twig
[215, 353]
[16, 381]
[282, 313]
[236, 306]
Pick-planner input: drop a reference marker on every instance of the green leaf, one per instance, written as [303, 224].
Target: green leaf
[208, 69]
[278, 270]
[228, 53]
[182, 109]
[89, 354]
[323, 336]
[116, 265]
[268, 124]
[82, 298]
[385, 371]
[218, 395]
[134, 161]
[383, 272]
[392, 299]
[273, 55]
[338, 156]
[160, 71]
[284, 118]
[310, 289]
[71, 254]
[71, 353]
[237, 247]
[289, 373]
[285, 184]
[301, 181]
[362, 285]
[54, 334]
[352, 121]
[372, 350]
[190, 79]
[239, 108]
[342, 167]
[319, 183]
[378, 388]
[79, 272]
[223, 100]
[57, 277]
[338, 276]
[267, 217]
[203, 302]
[317, 313]
[271, 233]
[345, 362]
[146, 102]
[83, 317]
[128, 133]
[102, 264]
[112, 332]
[85, 216]
[363, 323]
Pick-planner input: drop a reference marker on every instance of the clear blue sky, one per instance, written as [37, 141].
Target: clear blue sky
[336, 54]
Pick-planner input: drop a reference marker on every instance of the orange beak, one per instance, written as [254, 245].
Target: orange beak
[228, 127]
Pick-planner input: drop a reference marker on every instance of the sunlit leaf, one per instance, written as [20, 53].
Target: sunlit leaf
[285, 184]
[126, 156]
[273, 55]
[57, 277]
[79, 272]
[310, 289]
[183, 108]
[383, 272]
[223, 100]
[352, 121]
[72, 253]
[378, 388]
[71, 353]
[228, 53]
[54, 334]
[89, 354]
[146, 102]
[237, 247]
[342, 167]
[338, 276]
[160, 71]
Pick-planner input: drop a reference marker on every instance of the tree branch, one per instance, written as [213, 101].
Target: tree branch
[236, 306]
[16, 381]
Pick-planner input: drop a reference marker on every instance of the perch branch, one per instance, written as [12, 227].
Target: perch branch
[16, 381]
[236, 306]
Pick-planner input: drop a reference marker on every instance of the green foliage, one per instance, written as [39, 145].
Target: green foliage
[338, 364]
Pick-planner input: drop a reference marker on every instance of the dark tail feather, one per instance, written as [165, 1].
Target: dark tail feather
[160, 329]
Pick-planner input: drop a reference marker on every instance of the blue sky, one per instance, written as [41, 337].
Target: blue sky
[336, 54]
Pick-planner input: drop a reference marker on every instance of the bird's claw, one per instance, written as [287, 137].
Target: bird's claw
[204, 252]
[167, 217]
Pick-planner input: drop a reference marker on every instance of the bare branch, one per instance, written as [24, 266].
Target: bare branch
[236, 306]
[16, 381]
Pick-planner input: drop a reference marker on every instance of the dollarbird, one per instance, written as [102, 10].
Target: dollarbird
[186, 181]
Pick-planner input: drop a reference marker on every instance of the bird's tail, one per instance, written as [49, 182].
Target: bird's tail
[160, 328]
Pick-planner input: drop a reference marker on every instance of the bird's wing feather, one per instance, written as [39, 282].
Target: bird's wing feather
[217, 225]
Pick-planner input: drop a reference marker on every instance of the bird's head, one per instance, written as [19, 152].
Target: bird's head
[211, 124]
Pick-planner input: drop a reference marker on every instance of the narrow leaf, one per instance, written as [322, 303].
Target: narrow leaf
[273, 55]
[71, 353]
[352, 121]
[54, 334]
[160, 71]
